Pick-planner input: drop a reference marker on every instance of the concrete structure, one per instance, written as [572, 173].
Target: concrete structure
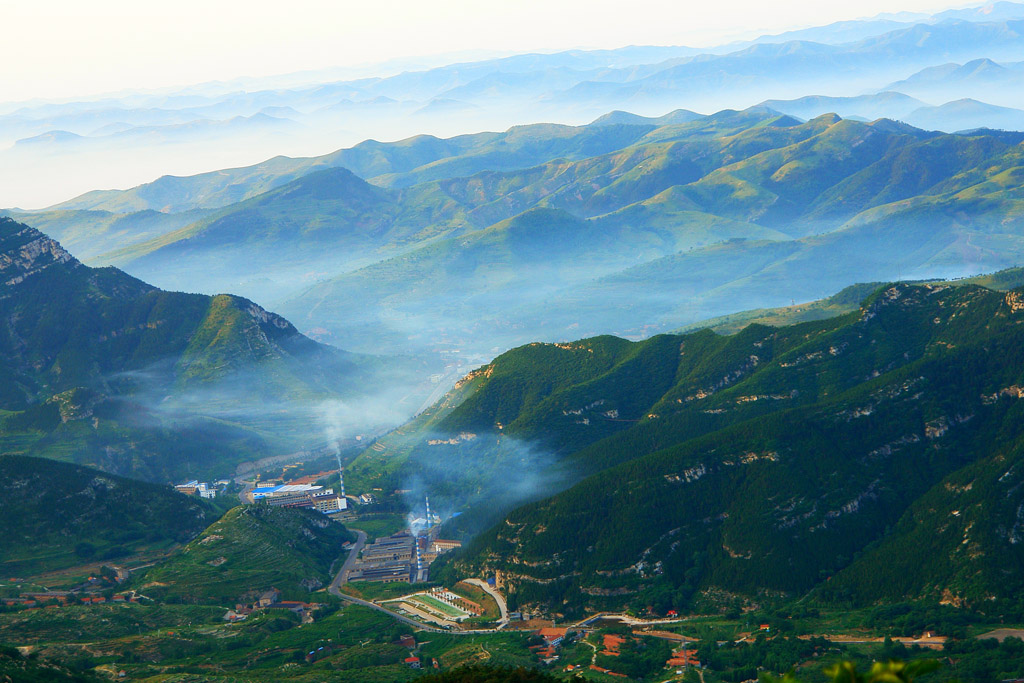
[552, 636]
[269, 597]
[440, 545]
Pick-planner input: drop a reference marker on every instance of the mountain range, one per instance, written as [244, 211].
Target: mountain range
[71, 147]
[627, 225]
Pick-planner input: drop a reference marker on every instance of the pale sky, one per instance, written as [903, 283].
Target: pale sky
[68, 48]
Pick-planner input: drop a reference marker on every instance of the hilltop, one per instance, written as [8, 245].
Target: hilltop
[101, 368]
[249, 550]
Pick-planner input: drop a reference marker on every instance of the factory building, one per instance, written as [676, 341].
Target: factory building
[195, 487]
[285, 490]
[440, 545]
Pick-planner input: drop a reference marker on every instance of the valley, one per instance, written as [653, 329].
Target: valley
[696, 360]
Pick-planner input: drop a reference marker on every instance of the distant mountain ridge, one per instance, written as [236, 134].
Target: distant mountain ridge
[755, 193]
[843, 59]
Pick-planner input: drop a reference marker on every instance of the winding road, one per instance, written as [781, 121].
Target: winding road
[498, 598]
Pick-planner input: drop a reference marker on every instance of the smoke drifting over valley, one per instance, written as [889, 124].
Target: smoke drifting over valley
[471, 479]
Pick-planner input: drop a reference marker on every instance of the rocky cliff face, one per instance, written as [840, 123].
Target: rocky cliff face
[25, 251]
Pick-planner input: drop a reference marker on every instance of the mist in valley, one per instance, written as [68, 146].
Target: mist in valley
[424, 288]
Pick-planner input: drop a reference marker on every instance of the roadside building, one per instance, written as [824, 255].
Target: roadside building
[552, 636]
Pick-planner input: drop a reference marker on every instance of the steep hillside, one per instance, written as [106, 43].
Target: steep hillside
[768, 460]
[249, 550]
[100, 368]
[54, 515]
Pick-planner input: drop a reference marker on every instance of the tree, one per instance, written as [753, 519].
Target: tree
[893, 671]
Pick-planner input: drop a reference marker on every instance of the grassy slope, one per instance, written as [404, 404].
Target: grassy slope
[251, 549]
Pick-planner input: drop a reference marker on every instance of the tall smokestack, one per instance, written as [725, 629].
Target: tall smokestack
[419, 560]
[427, 499]
[341, 480]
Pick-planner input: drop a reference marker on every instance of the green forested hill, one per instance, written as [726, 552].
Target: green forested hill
[54, 515]
[100, 368]
[251, 549]
[770, 460]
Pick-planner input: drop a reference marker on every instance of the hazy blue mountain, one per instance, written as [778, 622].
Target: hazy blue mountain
[624, 117]
[959, 115]
[967, 114]
[981, 79]
[888, 105]
[851, 31]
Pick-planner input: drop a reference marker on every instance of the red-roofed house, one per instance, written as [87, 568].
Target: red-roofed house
[552, 636]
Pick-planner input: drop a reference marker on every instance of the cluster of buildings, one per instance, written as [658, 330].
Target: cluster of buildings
[201, 488]
[388, 559]
[302, 493]
[89, 592]
[271, 599]
[683, 655]
[405, 556]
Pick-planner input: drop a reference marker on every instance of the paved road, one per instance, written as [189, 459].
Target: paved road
[342, 576]
[498, 598]
[625, 619]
